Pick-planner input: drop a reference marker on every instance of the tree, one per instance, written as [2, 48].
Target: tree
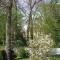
[52, 23]
[8, 29]
[30, 21]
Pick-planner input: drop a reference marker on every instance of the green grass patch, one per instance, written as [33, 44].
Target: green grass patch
[24, 59]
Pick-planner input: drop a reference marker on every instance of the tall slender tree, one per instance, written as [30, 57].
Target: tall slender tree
[30, 21]
[8, 29]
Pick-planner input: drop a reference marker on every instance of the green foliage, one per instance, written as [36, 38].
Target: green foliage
[52, 21]
[16, 24]
[2, 26]
[23, 53]
[16, 27]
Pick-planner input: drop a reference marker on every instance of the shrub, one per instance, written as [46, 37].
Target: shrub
[23, 53]
[1, 57]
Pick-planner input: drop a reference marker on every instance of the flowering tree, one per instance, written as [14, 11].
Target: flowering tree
[40, 46]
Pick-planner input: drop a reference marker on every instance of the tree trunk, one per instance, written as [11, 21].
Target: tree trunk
[30, 23]
[8, 29]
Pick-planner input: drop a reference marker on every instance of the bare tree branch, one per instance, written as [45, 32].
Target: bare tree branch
[35, 3]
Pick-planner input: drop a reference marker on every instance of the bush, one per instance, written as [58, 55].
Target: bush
[1, 57]
[23, 53]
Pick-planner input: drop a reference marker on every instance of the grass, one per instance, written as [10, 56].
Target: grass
[55, 58]
[24, 59]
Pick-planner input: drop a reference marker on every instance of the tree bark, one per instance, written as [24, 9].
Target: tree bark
[8, 29]
[30, 23]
